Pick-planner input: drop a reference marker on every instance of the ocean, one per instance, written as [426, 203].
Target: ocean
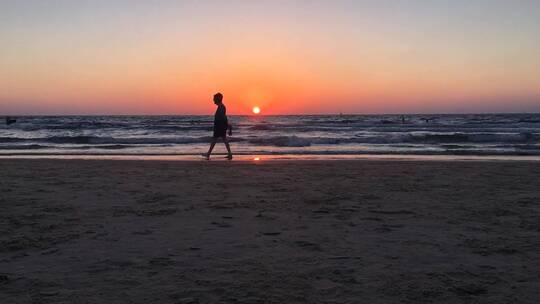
[474, 134]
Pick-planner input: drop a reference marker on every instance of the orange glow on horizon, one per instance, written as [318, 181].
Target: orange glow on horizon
[325, 57]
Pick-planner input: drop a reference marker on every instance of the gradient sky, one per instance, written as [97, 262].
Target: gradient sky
[286, 56]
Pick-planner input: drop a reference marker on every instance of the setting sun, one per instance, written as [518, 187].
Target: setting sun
[256, 110]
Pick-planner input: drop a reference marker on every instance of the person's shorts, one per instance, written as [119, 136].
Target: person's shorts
[220, 131]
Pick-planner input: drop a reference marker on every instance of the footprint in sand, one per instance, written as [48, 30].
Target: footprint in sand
[161, 262]
[4, 279]
[222, 224]
[143, 232]
[50, 251]
[308, 245]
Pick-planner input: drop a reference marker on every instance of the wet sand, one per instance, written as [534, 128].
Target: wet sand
[103, 231]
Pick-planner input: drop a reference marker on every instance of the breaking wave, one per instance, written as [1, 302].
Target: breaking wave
[414, 134]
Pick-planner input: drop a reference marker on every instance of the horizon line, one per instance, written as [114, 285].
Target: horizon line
[310, 114]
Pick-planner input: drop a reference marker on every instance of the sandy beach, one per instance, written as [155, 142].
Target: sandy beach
[97, 231]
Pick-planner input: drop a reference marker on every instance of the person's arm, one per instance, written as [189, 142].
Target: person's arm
[229, 125]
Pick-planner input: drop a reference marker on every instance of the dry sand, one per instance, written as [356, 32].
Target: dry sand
[76, 231]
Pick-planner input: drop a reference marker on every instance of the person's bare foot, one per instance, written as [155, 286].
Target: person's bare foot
[206, 156]
[229, 157]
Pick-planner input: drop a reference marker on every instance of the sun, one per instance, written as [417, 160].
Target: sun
[256, 110]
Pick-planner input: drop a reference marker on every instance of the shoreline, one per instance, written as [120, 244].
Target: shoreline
[277, 157]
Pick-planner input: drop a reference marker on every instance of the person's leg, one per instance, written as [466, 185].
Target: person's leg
[226, 141]
[207, 155]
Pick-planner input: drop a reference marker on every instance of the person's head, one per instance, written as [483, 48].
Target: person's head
[218, 98]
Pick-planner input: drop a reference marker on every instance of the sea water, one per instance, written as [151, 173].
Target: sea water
[473, 134]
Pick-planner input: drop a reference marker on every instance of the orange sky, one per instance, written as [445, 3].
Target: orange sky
[170, 57]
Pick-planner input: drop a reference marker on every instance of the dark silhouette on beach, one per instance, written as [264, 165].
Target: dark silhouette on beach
[221, 125]
[10, 120]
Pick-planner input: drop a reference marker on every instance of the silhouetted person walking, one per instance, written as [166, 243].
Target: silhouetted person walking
[221, 125]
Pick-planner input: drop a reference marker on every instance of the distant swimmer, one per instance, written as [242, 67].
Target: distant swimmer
[10, 121]
[402, 118]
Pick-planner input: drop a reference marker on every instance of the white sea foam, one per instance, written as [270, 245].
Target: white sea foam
[356, 134]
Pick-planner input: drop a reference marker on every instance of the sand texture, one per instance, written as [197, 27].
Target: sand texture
[88, 231]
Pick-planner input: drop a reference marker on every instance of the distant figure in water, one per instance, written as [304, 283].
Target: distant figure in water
[10, 121]
[402, 119]
[221, 125]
